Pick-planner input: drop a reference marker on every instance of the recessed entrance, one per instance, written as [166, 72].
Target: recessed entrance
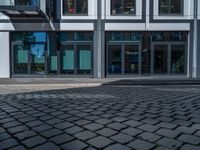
[123, 58]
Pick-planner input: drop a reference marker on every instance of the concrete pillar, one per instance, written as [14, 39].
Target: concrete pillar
[4, 55]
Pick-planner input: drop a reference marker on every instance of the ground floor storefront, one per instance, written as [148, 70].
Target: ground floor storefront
[73, 54]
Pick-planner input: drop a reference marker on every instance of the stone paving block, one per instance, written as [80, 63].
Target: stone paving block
[93, 126]
[63, 138]
[161, 148]
[141, 145]
[73, 130]
[106, 132]
[4, 136]
[42, 127]
[74, 145]
[150, 121]
[151, 137]
[11, 124]
[47, 146]
[190, 139]
[132, 123]
[50, 133]
[187, 130]
[117, 147]
[197, 133]
[27, 119]
[167, 125]
[17, 129]
[100, 142]
[190, 147]
[90, 148]
[119, 119]
[116, 126]
[34, 123]
[132, 131]
[8, 143]
[20, 147]
[81, 122]
[122, 138]
[2, 130]
[196, 126]
[34, 141]
[103, 121]
[25, 134]
[169, 143]
[168, 133]
[148, 127]
[63, 125]
[85, 135]
[53, 121]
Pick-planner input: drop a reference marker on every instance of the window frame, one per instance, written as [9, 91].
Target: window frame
[169, 10]
[75, 14]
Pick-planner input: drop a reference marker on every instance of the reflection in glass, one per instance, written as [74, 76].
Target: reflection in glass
[178, 59]
[114, 59]
[20, 59]
[167, 7]
[160, 58]
[131, 58]
[37, 55]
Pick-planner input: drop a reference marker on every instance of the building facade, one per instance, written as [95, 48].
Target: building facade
[99, 38]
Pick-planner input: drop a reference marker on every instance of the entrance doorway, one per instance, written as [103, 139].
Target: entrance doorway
[123, 58]
[168, 58]
[28, 59]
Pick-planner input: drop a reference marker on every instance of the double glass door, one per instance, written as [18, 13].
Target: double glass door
[124, 58]
[29, 58]
[168, 59]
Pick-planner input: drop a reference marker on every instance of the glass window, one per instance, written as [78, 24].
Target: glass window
[71, 7]
[29, 36]
[170, 7]
[123, 7]
[75, 36]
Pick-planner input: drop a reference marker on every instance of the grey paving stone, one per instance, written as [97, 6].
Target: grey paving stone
[63, 138]
[119, 119]
[167, 125]
[11, 124]
[63, 125]
[25, 134]
[141, 145]
[47, 146]
[42, 127]
[197, 133]
[117, 147]
[191, 139]
[34, 123]
[106, 132]
[85, 135]
[103, 121]
[132, 123]
[187, 130]
[4, 136]
[190, 147]
[81, 122]
[2, 130]
[148, 127]
[161, 148]
[17, 129]
[90, 148]
[53, 121]
[169, 143]
[73, 130]
[116, 126]
[132, 131]
[100, 142]
[50, 133]
[151, 137]
[122, 138]
[150, 121]
[168, 133]
[196, 126]
[34, 141]
[74, 145]
[8, 143]
[20, 147]
[93, 126]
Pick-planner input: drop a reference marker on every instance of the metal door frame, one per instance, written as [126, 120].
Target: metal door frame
[169, 45]
[122, 44]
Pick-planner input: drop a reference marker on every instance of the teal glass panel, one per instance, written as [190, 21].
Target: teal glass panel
[39, 60]
[22, 56]
[54, 64]
[85, 59]
[68, 60]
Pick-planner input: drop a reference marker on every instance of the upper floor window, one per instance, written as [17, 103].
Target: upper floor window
[123, 7]
[76, 7]
[170, 7]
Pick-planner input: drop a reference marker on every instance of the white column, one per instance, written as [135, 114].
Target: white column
[4, 55]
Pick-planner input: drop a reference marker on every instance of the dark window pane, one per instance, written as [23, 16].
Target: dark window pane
[170, 7]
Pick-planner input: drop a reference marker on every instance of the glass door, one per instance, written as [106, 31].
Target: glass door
[20, 59]
[160, 59]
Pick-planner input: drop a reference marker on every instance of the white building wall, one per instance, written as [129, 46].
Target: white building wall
[4, 55]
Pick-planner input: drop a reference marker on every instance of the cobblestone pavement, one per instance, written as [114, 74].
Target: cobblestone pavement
[104, 117]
